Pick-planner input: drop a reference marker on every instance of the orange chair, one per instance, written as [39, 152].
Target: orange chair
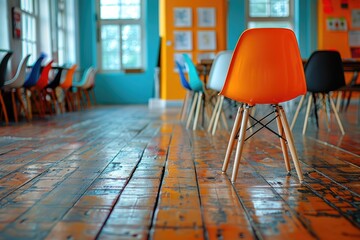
[266, 68]
[66, 84]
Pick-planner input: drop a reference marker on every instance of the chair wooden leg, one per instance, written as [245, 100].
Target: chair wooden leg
[4, 109]
[290, 140]
[184, 107]
[28, 101]
[232, 138]
[13, 101]
[218, 113]
[282, 141]
[297, 111]
[192, 109]
[197, 113]
[307, 113]
[22, 103]
[212, 118]
[336, 115]
[240, 144]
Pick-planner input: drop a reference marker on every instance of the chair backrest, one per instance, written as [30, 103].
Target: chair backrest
[194, 80]
[91, 80]
[84, 78]
[266, 68]
[324, 71]
[3, 67]
[67, 83]
[183, 79]
[219, 70]
[44, 76]
[19, 78]
[56, 81]
[34, 74]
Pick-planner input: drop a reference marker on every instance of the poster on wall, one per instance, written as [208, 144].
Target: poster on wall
[206, 40]
[16, 18]
[183, 40]
[355, 18]
[206, 17]
[182, 17]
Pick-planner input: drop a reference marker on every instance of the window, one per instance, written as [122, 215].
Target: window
[121, 45]
[28, 28]
[61, 32]
[270, 13]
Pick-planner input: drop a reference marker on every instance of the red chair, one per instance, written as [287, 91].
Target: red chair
[266, 68]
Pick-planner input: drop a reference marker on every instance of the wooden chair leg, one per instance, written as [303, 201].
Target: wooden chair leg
[307, 113]
[232, 138]
[28, 101]
[22, 103]
[212, 118]
[4, 109]
[291, 143]
[184, 106]
[198, 107]
[297, 111]
[282, 141]
[192, 110]
[336, 115]
[13, 101]
[218, 113]
[240, 144]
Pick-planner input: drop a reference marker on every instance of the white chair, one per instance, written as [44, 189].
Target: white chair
[216, 81]
[15, 85]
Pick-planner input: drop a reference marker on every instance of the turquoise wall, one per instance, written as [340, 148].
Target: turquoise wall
[120, 88]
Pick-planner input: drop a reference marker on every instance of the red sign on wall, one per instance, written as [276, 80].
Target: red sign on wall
[16, 17]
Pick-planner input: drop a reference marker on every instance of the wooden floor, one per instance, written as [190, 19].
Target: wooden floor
[124, 172]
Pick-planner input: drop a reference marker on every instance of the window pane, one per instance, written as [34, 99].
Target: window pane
[269, 24]
[131, 46]
[279, 8]
[269, 8]
[110, 47]
[120, 9]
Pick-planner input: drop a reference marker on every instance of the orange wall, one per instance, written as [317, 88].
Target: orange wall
[170, 87]
[337, 40]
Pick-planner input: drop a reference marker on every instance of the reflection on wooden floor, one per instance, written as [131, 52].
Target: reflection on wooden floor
[124, 172]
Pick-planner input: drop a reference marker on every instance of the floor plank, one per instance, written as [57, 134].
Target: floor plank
[127, 172]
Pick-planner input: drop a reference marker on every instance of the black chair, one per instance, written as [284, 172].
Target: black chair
[324, 73]
[3, 73]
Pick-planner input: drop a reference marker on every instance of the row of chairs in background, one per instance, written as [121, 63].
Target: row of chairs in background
[324, 75]
[45, 89]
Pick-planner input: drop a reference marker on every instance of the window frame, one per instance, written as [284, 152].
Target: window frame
[121, 22]
[34, 15]
[290, 19]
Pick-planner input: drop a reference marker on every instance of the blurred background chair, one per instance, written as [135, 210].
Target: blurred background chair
[198, 87]
[3, 76]
[324, 73]
[185, 84]
[31, 80]
[14, 85]
[215, 82]
[78, 85]
[266, 68]
[66, 84]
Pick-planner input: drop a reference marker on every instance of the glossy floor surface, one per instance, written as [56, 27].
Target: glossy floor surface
[127, 172]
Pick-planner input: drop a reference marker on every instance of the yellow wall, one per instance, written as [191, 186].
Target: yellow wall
[170, 87]
[337, 40]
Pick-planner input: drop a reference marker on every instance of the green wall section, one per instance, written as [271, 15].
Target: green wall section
[121, 88]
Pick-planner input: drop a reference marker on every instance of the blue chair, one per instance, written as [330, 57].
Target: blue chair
[31, 80]
[3, 73]
[197, 87]
[184, 82]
